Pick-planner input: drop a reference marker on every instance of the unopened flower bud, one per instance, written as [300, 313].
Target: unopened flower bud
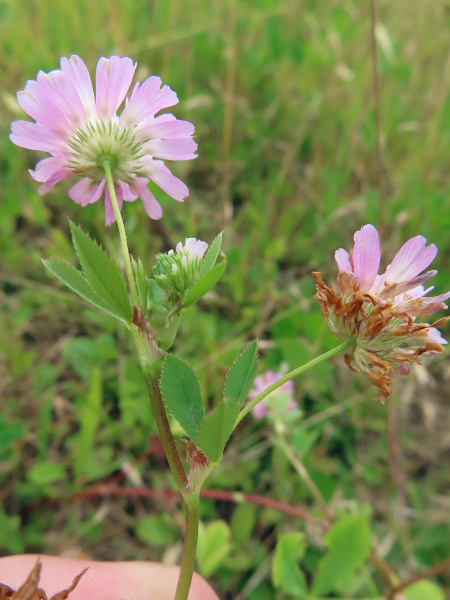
[177, 271]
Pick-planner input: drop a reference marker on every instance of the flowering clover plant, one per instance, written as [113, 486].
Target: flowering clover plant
[114, 155]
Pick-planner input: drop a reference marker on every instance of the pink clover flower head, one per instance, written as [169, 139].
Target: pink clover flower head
[81, 131]
[261, 383]
[379, 311]
[177, 271]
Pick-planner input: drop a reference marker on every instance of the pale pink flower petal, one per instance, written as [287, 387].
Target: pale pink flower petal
[86, 192]
[148, 99]
[76, 71]
[110, 217]
[170, 184]
[168, 129]
[47, 168]
[112, 81]
[341, 257]
[53, 180]
[182, 149]
[434, 335]
[129, 195]
[195, 248]
[34, 137]
[151, 204]
[412, 258]
[366, 256]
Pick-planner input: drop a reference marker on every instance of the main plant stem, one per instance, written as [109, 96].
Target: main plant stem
[189, 549]
[122, 234]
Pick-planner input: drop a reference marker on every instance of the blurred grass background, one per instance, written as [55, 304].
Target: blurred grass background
[282, 100]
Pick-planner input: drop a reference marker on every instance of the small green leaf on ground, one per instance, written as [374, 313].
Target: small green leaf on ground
[424, 590]
[213, 546]
[45, 473]
[286, 574]
[348, 543]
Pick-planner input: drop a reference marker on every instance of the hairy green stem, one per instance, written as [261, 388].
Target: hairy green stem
[189, 549]
[122, 233]
[298, 371]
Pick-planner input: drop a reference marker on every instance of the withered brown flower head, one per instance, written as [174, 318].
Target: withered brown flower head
[379, 311]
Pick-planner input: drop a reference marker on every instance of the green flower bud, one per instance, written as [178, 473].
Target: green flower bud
[176, 272]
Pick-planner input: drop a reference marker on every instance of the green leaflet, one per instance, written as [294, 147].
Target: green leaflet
[286, 574]
[182, 395]
[242, 374]
[204, 284]
[348, 543]
[216, 428]
[102, 273]
[77, 282]
[209, 260]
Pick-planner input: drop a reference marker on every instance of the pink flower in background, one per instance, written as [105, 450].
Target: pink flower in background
[379, 311]
[261, 383]
[80, 131]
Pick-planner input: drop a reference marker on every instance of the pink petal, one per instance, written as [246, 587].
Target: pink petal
[127, 192]
[172, 149]
[86, 191]
[65, 173]
[43, 101]
[147, 100]
[112, 81]
[168, 129]
[343, 263]
[35, 137]
[434, 335]
[161, 175]
[366, 256]
[47, 167]
[77, 73]
[151, 204]
[412, 258]
[110, 217]
[394, 290]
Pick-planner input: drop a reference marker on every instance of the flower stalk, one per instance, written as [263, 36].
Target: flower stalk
[298, 371]
[122, 233]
